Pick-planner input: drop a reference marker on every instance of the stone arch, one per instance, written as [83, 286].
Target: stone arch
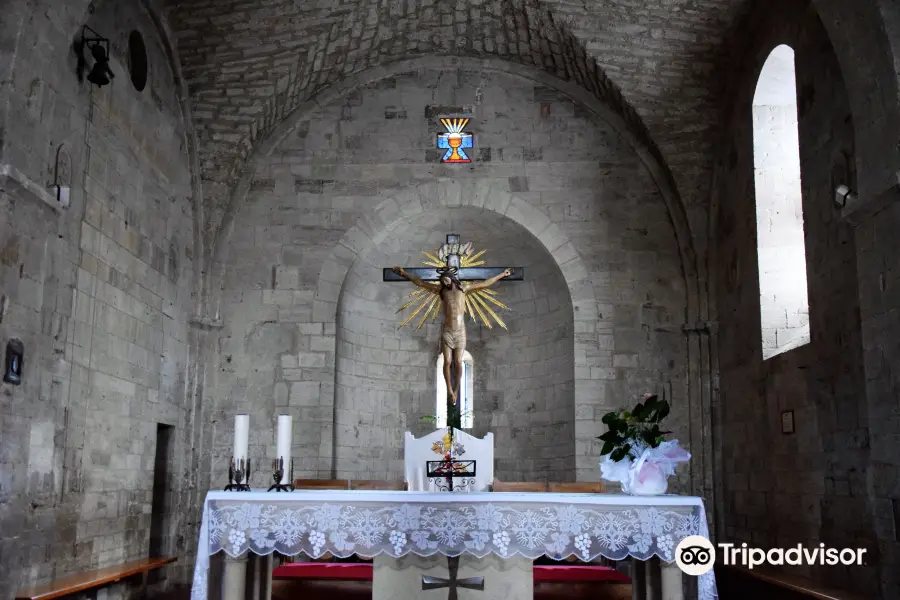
[373, 229]
[632, 131]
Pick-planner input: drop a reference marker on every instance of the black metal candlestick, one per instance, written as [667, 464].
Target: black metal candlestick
[239, 474]
[278, 474]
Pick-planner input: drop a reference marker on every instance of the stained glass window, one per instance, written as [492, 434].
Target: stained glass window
[455, 141]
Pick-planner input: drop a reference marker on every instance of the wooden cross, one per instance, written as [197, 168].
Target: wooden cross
[454, 418]
[464, 274]
[453, 583]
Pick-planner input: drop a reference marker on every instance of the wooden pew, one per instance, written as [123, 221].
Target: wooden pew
[577, 487]
[518, 486]
[378, 484]
[322, 484]
[93, 579]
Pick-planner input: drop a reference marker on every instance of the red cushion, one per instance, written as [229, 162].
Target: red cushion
[318, 570]
[575, 573]
[363, 572]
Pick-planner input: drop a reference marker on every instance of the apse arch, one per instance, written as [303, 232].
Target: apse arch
[385, 379]
[631, 130]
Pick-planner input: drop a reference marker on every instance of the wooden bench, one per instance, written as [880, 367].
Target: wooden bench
[93, 579]
[794, 583]
[518, 486]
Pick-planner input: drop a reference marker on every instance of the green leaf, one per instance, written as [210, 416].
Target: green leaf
[609, 436]
[607, 448]
[663, 412]
[608, 418]
[638, 411]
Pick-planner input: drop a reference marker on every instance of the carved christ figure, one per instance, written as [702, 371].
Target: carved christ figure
[453, 328]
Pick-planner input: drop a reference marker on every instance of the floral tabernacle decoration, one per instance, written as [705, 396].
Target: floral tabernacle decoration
[635, 451]
[449, 449]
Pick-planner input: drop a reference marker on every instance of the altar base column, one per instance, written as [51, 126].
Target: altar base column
[652, 577]
[260, 579]
[672, 582]
[234, 578]
[638, 579]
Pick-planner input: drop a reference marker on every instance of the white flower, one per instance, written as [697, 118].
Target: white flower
[558, 544]
[422, 541]
[477, 540]
[408, 517]
[339, 540]
[449, 527]
[367, 528]
[327, 517]
[688, 525]
[489, 517]
[642, 543]
[653, 522]
[261, 539]
[612, 531]
[570, 519]
[289, 527]
[531, 529]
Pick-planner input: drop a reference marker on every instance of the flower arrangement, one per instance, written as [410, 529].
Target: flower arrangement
[635, 451]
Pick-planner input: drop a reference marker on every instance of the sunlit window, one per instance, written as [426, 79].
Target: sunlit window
[465, 396]
[784, 304]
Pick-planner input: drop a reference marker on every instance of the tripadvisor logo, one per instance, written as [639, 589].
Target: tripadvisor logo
[696, 555]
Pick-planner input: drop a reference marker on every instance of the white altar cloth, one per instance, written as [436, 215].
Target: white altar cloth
[396, 523]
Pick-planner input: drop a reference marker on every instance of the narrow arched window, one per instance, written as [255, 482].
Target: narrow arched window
[781, 249]
[465, 396]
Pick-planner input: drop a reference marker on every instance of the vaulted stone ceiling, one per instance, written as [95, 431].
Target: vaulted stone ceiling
[249, 63]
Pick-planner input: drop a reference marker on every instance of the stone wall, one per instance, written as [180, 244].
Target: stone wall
[99, 295]
[810, 486]
[349, 172]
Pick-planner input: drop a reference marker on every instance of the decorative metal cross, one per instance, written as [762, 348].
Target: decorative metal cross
[452, 256]
[453, 583]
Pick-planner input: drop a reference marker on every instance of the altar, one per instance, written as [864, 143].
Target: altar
[493, 526]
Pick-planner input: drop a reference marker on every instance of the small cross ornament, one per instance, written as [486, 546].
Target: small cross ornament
[452, 582]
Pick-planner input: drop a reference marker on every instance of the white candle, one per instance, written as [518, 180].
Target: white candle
[241, 437]
[283, 446]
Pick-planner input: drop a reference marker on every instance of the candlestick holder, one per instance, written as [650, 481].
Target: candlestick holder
[278, 474]
[239, 474]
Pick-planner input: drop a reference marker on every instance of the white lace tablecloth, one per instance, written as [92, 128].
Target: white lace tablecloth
[369, 523]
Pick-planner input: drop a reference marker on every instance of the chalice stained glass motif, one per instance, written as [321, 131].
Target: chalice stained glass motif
[455, 141]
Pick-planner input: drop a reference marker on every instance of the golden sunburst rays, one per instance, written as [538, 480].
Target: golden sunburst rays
[479, 303]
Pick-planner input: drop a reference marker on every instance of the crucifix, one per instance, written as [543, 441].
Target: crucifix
[452, 582]
[456, 281]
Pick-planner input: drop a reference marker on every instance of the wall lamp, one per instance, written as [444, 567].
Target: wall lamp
[100, 74]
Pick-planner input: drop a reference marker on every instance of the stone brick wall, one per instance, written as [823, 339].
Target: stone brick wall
[332, 192]
[810, 486]
[99, 294]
